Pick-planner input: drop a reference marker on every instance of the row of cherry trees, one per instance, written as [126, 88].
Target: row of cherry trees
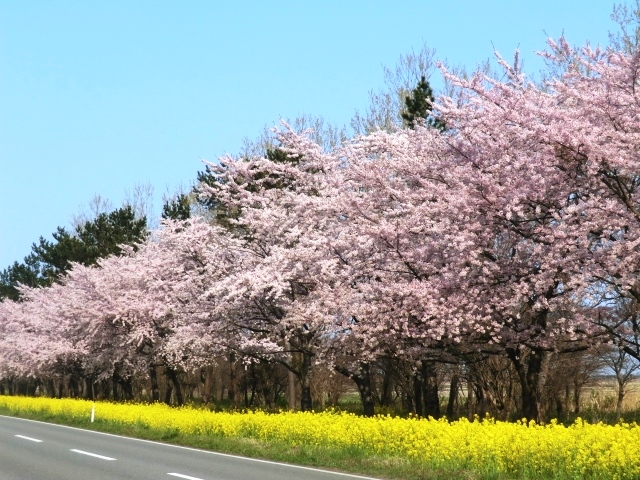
[514, 232]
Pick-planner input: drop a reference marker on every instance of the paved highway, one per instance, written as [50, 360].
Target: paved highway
[31, 450]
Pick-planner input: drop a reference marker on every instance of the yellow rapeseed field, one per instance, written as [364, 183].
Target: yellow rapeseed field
[487, 446]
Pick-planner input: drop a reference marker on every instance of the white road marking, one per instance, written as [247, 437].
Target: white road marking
[29, 438]
[92, 454]
[179, 475]
[191, 449]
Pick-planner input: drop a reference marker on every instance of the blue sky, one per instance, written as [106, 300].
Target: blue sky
[96, 97]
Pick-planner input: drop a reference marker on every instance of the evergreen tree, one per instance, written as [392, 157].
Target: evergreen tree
[419, 107]
[177, 208]
[28, 273]
[92, 240]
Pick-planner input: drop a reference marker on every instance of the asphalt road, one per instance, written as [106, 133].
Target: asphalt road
[31, 450]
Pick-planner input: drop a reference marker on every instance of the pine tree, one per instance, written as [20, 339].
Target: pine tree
[419, 107]
[28, 273]
[92, 240]
[177, 208]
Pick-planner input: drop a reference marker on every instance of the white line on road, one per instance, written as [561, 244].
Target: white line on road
[92, 454]
[29, 438]
[183, 476]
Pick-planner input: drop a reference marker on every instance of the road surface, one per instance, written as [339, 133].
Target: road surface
[31, 450]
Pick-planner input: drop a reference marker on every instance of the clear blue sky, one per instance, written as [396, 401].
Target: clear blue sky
[96, 97]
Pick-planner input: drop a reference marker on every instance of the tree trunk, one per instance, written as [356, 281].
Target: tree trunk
[621, 394]
[254, 384]
[73, 386]
[173, 377]
[453, 395]
[89, 392]
[114, 384]
[306, 402]
[362, 379]
[244, 382]
[529, 377]
[417, 393]
[209, 384]
[470, 409]
[155, 389]
[291, 378]
[167, 393]
[387, 384]
[482, 405]
[231, 393]
[559, 407]
[127, 388]
[364, 388]
[430, 389]
[291, 390]
[576, 396]
[32, 385]
[51, 388]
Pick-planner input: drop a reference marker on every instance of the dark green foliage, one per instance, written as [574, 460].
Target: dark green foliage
[277, 155]
[206, 178]
[56, 256]
[177, 208]
[94, 239]
[28, 273]
[419, 107]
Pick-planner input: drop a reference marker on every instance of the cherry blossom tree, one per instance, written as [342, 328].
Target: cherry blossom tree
[38, 338]
[152, 295]
[594, 127]
[276, 301]
[552, 176]
[119, 319]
